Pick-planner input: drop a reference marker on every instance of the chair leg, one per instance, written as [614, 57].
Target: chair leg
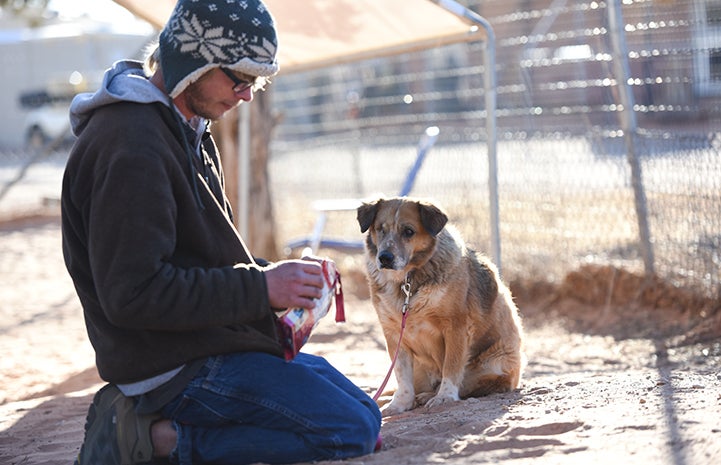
[318, 231]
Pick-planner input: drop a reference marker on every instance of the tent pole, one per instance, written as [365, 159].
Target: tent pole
[622, 74]
[243, 192]
[489, 84]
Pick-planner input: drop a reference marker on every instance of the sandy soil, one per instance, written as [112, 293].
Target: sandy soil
[619, 371]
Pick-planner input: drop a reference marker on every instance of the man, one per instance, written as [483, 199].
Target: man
[180, 315]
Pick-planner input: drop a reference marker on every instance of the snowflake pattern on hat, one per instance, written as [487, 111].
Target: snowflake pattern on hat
[238, 34]
[201, 43]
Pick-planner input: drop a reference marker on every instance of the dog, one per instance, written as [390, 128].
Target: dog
[463, 335]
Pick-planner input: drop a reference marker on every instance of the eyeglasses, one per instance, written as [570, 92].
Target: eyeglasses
[239, 85]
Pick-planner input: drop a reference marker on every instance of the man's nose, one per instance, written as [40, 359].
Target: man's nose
[246, 95]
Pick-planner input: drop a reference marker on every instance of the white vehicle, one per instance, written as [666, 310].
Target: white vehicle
[46, 124]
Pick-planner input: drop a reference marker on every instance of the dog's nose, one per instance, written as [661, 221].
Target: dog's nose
[386, 259]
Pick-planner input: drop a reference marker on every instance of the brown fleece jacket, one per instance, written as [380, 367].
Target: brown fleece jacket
[161, 272]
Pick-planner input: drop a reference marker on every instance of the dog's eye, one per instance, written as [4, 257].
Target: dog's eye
[408, 232]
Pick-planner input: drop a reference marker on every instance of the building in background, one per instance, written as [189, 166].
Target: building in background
[42, 67]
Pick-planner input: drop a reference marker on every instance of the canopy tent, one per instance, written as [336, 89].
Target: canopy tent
[317, 33]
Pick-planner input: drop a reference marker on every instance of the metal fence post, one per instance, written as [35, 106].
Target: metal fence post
[628, 124]
[489, 87]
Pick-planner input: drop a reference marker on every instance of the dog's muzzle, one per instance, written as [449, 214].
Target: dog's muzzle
[386, 258]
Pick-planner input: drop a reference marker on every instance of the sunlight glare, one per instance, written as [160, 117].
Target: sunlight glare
[101, 10]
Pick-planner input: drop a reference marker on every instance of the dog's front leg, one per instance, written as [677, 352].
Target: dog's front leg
[405, 395]
[454, 363]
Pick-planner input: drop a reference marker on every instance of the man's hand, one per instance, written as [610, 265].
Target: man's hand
[294, 283]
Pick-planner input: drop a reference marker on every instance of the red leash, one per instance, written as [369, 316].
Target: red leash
[406, 288]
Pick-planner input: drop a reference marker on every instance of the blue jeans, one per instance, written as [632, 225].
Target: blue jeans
[253, 407]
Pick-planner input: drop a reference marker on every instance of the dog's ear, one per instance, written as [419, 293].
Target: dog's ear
[366, 214]
[432, 217]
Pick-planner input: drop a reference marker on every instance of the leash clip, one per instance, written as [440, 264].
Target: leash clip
[406, 288]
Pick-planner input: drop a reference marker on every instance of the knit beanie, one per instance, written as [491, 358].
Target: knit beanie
[205, 34]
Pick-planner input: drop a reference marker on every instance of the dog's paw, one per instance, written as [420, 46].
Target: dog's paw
[391, 410]
[424, 397]
[447, 392]
[441, 399]
[396, 406]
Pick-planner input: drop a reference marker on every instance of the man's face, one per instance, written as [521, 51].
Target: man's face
[213, 95]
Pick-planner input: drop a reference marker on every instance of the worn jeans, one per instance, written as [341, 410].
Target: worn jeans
[254, 407]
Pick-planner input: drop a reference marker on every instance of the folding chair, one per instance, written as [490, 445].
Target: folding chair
[324, 206]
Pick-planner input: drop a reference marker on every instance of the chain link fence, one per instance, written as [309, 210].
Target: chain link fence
[565, 184]
[30, 181]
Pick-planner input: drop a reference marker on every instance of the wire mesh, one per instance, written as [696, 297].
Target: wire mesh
[565, 183]
[565, 193]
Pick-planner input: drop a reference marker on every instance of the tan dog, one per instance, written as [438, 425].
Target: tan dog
[463, 336]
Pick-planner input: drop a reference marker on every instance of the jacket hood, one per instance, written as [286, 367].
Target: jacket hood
[125, 81]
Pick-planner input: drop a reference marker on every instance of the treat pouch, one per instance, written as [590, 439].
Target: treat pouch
[295, 325]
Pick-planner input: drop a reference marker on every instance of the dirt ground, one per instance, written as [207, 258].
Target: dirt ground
[620, 370]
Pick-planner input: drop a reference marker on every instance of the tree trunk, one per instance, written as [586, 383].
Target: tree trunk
[260, 236]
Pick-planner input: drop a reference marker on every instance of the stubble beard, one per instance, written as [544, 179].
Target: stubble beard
[198, 104]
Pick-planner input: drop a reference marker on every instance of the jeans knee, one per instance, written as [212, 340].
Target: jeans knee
[363, 433]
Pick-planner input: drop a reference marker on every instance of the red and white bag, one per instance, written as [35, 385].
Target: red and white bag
[296, 324]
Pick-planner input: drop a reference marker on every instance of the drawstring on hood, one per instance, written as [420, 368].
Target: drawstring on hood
[190, 154]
